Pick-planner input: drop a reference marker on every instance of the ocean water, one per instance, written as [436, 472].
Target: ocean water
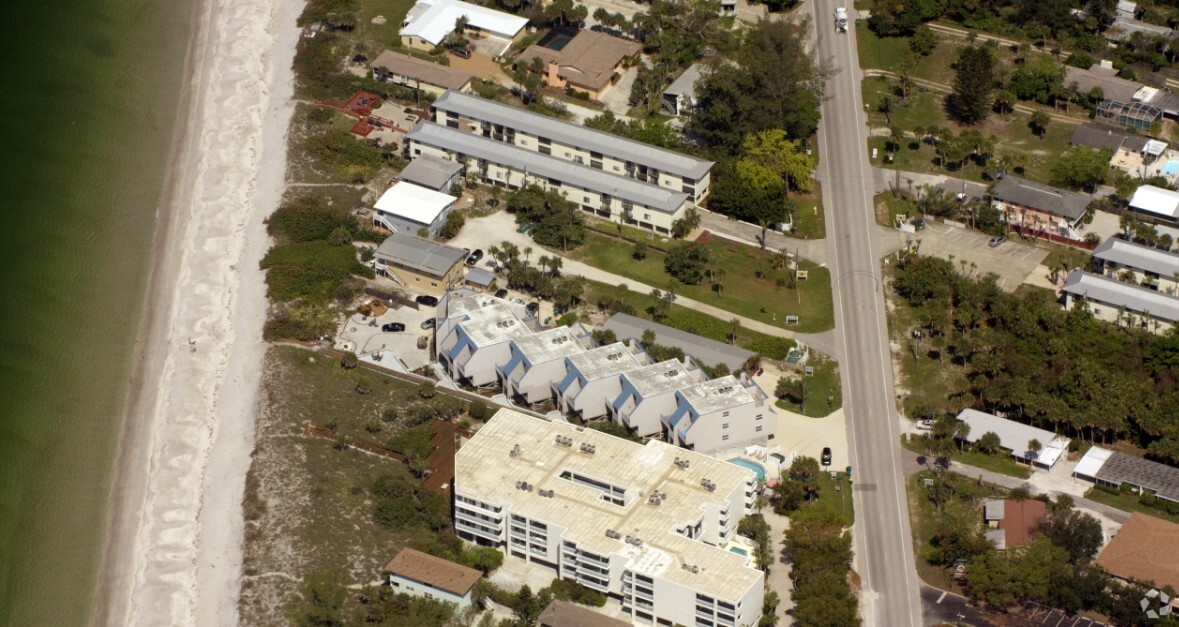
[91, 97]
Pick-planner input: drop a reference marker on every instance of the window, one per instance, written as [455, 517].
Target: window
[646, 216]
[725, 415]
[759, 416]
[433, 284]
[725, 426]
[758, 428]
[724, 437]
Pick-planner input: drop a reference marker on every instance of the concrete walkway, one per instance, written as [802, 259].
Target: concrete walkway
[813, 250]
[778, 576]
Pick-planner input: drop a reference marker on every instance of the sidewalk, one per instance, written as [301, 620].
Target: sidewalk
[814, 250]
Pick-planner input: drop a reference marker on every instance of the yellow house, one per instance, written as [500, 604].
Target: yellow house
[420, 264]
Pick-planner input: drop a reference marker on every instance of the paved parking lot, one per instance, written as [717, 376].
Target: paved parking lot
[364, 332]
[1013, 261]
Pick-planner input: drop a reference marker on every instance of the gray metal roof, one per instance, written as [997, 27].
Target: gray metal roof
[1112, 87]
[573, 134]
[546, 167]
[993, 509]
[1107, 137]
[1144, 258]
[1139, 300]
[430, 171]
[479, 276]
[1013, 436]
[1122, 468]
[685, 85]
[1059, 202]
[709, 352]
[420, 254]
[1123, 27]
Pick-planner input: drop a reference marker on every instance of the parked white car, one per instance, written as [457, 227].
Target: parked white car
[925, 425]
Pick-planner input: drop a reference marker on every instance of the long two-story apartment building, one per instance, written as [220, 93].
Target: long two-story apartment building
[606, 195]
[1134, 263]
[576, 143]
[648, 524]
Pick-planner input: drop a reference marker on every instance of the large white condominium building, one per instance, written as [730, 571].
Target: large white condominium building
[649, 524]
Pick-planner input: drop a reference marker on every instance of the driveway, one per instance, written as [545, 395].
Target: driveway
[1013, 261]
[364, 332]
[617, 98]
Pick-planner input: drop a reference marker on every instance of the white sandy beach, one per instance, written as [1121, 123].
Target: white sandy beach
[175, 549]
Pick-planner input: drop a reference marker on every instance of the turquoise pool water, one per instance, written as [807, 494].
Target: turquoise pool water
[750, 464]
[1171, 168]
[738, 550]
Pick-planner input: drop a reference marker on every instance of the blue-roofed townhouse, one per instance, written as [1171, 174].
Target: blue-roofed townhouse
[724, 413]
[593, 378]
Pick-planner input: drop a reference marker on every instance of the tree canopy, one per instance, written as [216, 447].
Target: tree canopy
[773, 84]
[1064, 370]
[974, 80]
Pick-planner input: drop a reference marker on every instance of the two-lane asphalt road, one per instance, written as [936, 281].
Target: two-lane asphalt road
[883, 541]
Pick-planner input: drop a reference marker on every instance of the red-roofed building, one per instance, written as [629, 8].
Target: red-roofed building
[1010, 523]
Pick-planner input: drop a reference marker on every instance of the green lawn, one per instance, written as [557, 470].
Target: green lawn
[1013, 138]
[837, 493]
[1001, 463]
[734, 266]
[820, 386]
[881, 53]
[888, 207]
[808, 214]
[690, 320]
[1127, 503]
[377, 38]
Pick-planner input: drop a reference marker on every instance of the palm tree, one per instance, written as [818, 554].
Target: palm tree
[1034, 447]
[734, 324]
[527, 254]
[555, 264]
[961, 432]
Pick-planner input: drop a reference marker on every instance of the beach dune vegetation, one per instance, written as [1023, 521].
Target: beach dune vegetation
[311, 270]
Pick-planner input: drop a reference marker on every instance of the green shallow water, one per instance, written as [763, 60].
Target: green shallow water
[88, 118]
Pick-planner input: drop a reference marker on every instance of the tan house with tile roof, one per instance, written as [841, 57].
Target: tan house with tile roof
[425, 76]
[590, 62]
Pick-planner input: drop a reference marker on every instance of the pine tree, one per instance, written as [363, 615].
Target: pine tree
[973, 83]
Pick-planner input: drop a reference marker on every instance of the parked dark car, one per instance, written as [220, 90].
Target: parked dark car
[826, 457]
[919, 224]
[428, 301]
[501, 293]
[996, 240]
[393, 327]
[462, 53]
[533, 307]
[474, 257]
[428, 323]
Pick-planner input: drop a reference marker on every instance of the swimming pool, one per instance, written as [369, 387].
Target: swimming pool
[750, 464]
[739, 551]
[1171, 168]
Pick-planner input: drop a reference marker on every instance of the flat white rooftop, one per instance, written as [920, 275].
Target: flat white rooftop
[414, 202]
[605, 361]
[549, 345]
[661, 378]
[717, 394]
[485, 468]
[494, 324]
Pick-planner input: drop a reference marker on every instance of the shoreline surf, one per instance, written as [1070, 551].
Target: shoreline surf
[175, 537]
